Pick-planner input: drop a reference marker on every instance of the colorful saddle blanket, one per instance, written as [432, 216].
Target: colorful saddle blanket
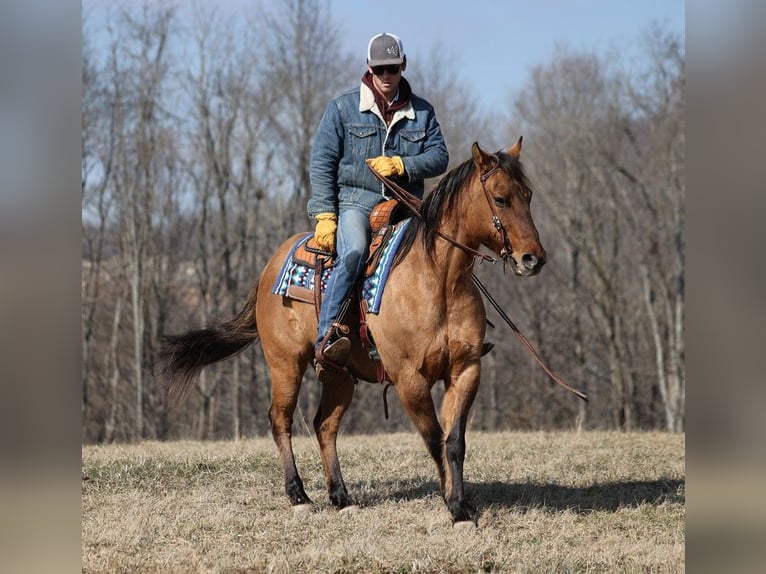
[297, 278]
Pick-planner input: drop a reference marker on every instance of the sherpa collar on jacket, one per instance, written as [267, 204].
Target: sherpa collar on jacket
[367, 104]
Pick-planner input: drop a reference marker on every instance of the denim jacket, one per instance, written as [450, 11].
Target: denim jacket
[352, 130]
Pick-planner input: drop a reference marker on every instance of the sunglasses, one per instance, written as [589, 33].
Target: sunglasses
[391, 69]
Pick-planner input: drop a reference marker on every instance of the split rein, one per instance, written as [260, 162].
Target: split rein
[413, 205]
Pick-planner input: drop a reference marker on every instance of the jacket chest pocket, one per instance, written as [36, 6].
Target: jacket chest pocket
[362, 141]
[410, 142]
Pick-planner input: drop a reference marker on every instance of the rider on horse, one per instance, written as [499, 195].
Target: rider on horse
[383, 124]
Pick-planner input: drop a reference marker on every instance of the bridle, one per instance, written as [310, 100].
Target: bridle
[413, 204]
[507, 248]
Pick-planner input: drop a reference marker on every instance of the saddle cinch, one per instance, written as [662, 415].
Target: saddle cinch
[382, 220]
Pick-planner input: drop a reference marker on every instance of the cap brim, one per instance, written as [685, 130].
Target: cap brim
[388, 62]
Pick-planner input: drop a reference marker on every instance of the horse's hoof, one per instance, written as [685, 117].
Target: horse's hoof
[302, 509]
[349, 510]
[464, 526]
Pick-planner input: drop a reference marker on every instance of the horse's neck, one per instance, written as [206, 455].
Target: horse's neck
[449, 265]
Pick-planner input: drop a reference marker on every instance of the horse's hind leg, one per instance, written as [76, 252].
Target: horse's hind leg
[335, 399]
[285, 385]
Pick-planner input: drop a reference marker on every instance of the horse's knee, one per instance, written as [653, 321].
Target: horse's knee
[326, 429]
[281, 423]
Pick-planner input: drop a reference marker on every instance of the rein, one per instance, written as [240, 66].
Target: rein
[413, 204]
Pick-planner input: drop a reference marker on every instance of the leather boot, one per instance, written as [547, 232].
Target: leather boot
[335, 347]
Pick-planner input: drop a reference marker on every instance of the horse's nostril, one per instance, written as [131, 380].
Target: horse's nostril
[529, 261]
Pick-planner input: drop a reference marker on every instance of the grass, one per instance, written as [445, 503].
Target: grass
[548, 502]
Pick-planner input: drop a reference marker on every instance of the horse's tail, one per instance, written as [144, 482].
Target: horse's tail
[186, 354]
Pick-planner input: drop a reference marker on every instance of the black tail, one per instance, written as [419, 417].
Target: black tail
[185, 355]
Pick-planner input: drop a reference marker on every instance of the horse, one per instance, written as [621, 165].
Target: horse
[430, 326]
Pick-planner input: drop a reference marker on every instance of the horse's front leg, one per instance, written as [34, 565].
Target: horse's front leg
[335, 399]
[415, 395]
[458, 398]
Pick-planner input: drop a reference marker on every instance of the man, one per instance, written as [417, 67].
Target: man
[383, 124]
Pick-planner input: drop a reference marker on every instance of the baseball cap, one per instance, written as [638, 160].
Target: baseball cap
[385, 49]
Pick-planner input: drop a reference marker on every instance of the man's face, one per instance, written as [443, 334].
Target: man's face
[386, 79]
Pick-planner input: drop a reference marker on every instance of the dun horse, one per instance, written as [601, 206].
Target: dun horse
[430, 325]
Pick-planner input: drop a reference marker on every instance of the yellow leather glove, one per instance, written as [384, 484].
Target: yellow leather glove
[327, 225]
[387, 166]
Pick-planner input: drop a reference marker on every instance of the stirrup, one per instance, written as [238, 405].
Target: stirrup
[486, 348]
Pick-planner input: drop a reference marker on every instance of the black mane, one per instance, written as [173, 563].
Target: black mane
[442, 199]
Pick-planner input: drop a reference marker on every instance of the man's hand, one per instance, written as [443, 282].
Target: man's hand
[327, 225]
[387, 166]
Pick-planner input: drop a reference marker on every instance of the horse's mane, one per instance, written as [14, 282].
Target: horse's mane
[442, 199]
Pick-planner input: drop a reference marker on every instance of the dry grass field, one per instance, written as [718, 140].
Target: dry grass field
[548, 502]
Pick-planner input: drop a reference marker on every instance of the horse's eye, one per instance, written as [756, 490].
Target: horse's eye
[501, 201]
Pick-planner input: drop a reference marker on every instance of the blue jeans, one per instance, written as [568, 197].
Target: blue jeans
[351, 243]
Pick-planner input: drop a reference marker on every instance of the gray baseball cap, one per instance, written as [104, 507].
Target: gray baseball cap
[385, 49]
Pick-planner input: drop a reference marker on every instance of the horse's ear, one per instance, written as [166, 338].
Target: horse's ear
[515, 149]
[479, 157]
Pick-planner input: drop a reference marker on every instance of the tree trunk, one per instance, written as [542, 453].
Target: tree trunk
[235, 420]
[114, 368]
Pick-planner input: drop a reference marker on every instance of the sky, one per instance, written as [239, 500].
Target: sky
[499, 41]
[496, 42]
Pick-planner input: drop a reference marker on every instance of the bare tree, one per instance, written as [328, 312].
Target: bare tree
[604, 181]
[229, 170]
[97, 155]
[657, 176]
[138, 68]
[435, 76]
[300, 42]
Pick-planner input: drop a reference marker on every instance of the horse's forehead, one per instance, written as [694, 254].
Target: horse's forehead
[506, 180]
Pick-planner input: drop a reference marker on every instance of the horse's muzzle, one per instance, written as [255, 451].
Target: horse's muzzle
[528, 264]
